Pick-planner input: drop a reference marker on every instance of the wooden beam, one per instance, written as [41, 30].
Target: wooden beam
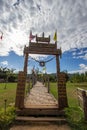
[45, 52]
[41, 44]
[42, 48]
[43, 39]
[26, 63]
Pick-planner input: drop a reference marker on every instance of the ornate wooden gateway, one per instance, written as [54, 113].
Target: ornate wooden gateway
[42, 46]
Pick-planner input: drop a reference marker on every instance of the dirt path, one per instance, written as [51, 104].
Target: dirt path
[41, 127]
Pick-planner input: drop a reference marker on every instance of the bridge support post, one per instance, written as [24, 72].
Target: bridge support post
[62, 94]
[61, 85]
[25, 63]
[20, 92]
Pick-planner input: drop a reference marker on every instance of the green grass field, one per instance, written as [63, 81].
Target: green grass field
[71, 91]
[10, 92]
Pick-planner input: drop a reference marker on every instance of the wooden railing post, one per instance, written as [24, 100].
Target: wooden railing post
[45, 81]
[84, 104]
[58, 71]
[29, 85]
[48, 86]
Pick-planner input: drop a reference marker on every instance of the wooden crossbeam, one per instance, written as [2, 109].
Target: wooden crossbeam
[41, 44]
[38, 48]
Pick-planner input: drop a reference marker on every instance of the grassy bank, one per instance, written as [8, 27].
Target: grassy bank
[71, 91]
[7, 93]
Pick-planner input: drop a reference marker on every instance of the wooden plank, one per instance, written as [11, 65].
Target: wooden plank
[40, 112]
[44, 51]
[80, 98]
[42, 106]
[38, 50]
[80, 89]
[43, 39]
[34, 44]
[40, 119]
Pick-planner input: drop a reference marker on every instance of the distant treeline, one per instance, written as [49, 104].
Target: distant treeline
[7, 75]
[77, 78]
[74, 78]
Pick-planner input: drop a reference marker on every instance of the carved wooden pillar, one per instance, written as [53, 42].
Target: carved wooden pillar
[20, 91]
[61, 84]
[62, 94]
[57, 64]
[58, 70]
[25, 63]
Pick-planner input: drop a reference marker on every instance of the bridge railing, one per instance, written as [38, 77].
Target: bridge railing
[82, 99]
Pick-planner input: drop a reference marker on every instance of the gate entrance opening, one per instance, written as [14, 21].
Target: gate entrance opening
[43, 46]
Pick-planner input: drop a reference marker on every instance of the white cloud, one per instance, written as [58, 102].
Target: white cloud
[74, 53]
[4, 63]
[77, 71]
[82, 69]
[80, 56]
[82, 66]
[69, 17]
[85, 57]
[80, 53]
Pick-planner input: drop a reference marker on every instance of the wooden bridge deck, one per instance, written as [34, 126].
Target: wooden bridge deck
[40, 103]
[40, 98]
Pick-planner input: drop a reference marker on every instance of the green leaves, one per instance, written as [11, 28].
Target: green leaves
[75, 118]
[7, 118]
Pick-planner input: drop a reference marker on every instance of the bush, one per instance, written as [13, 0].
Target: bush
[11, 78]
[6, 119]
[75, 118]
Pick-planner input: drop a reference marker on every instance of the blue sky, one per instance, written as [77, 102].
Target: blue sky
[68, 17]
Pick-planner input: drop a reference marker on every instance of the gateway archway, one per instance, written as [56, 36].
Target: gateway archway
[43, 46]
